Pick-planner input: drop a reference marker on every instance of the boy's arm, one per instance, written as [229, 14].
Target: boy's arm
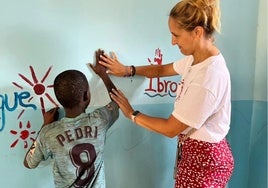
[108, 82]
[49, 117]
[101, 71]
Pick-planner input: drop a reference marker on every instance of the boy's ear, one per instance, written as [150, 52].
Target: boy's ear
[86, 96]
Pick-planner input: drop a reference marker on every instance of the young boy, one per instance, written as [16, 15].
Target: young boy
[76, 142]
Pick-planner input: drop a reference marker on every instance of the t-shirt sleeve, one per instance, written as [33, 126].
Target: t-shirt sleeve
[180, 65]
[108, 113]
[35, 154]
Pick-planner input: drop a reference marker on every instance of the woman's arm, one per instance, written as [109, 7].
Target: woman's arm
[169, 127]
[153, 71]
[115, 67]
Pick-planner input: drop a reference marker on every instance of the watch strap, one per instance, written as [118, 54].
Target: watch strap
[134, 115]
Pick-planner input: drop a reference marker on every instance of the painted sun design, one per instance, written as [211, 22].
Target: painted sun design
[23, 135]
[38, 87]
[40, 90]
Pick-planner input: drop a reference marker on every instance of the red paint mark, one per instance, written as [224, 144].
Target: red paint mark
[17, 85]
[51, 100]
[42, 105]
[23, 135]
[47, 73]
[38, 87]
[20, 114]
[33, 75]
[26, 79]
[158, 58]
[13, 132]
[14, 143]
[30, 99]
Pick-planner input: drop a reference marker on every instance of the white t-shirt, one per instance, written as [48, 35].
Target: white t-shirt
[203, 97]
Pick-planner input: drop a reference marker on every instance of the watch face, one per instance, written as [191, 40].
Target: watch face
[135, 113]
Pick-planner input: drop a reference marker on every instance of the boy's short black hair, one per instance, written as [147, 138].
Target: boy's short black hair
[70, 87]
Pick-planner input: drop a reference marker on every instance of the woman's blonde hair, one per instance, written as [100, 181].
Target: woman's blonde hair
[192, 13]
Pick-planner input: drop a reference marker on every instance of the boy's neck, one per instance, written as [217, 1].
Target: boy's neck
[74, 112]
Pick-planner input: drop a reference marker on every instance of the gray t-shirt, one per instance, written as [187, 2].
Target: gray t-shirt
[76, 146]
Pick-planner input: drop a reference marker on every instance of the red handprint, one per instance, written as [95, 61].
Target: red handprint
[157, 58]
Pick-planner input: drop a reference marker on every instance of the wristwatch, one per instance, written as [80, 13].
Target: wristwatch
[134, 115]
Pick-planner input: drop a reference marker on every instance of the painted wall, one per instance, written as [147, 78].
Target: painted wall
[39, 39]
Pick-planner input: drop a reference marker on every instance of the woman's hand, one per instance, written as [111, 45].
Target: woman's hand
[114, 66]
[122, 102]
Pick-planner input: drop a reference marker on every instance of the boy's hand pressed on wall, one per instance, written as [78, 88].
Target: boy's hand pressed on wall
[98, 68]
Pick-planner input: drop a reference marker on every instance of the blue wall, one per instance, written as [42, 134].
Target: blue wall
[39, 39]
[248, 139]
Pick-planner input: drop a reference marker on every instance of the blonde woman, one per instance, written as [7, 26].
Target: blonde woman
[202, 108]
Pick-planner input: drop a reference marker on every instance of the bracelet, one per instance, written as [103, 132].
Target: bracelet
[134, 115]
[133, 70]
